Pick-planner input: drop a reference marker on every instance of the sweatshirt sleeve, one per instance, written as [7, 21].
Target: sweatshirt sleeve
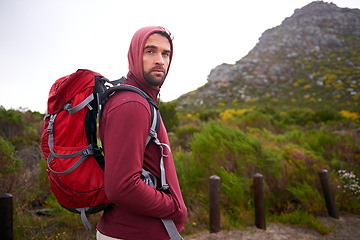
[124, 132]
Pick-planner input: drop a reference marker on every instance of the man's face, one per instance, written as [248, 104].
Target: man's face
[156, 59]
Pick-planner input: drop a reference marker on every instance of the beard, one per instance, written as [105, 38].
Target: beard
[152, 79]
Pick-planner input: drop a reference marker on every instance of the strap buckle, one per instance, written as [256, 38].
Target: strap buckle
[152, 133]
[164, 187]
[88, 151]
[50, 127]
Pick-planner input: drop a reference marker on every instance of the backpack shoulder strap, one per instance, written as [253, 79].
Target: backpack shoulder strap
[124, 87]
[171, 229]
[155, 115]
[155, 124]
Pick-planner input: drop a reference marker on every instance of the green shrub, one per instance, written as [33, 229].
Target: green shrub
[9, 166]
[11, 123]
[302, 116]
[194, 188]
[169, 115]
[207, 115]
[190, 174]
[320, 141]
[43, 180]
[184, 134]
[256, 119]
[325, 115]
[236, 197]
[220, 145]
[301, 193]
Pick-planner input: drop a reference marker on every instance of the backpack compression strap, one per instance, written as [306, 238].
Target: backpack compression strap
[89, 150]
[84, 152]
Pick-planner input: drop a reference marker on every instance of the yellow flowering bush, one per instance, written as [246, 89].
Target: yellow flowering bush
[355, 116]
[229, 114]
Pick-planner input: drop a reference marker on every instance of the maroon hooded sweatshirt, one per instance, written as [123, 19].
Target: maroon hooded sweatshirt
[124, 127]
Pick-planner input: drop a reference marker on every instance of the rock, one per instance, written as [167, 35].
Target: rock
[298, 48]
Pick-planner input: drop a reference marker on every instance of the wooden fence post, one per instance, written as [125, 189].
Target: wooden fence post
[215, 183]
[328, 193]
[260, 221]
[6, 216]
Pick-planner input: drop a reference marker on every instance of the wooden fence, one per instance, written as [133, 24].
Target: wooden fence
[6, 204]
[6, 216]
[260, 222]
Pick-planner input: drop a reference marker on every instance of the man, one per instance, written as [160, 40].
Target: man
[124, 128]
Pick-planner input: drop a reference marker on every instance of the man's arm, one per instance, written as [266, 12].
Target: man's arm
[125, 131]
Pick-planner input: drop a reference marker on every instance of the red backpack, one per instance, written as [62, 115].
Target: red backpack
[75, 163]
[69, 143]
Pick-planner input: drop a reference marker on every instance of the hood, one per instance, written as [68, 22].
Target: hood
[135, 75]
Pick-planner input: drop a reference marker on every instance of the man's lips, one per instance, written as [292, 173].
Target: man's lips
[158, 71]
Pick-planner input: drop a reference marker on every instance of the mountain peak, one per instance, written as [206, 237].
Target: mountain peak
[317, 47]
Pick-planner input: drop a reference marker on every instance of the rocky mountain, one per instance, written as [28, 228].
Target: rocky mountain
[313, 56]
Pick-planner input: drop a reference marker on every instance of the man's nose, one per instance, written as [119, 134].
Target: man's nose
[159, 59]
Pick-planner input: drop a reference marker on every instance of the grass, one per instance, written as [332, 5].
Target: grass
[55, 223]
[302, 218]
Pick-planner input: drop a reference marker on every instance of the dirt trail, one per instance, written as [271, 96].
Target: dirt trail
[347, 228]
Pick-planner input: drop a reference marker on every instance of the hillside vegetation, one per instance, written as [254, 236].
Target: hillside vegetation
[287, 148]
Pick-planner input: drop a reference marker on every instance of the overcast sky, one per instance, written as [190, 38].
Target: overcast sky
[43, 40]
